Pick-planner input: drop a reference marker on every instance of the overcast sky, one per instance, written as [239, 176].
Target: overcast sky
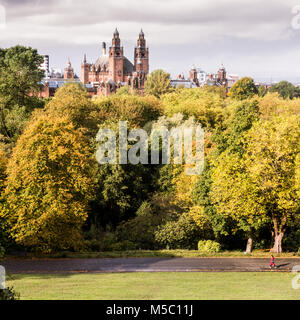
[249, 37]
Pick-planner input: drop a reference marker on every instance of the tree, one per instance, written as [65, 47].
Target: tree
[205, 104]
[136, 110]
[121, 188]
[234, 195]
[50, 180]
[20, 78]
[3, 224]
[126, 90]
[158, 83]
[262, 91]
[243, 89]
[73, 101]
[229, 135]
[271, 161]
[286, 90]
[228, 139]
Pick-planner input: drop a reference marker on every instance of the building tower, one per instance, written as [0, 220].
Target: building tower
[221, 76]
[141, 61]
[193, 74]
[141, 55]
[45, 65]
[69, 71]
[116, 59]
[85, 71]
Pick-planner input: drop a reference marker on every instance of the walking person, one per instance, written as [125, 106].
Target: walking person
[272, 264]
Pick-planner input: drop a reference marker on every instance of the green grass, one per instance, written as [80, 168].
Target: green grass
[161, 253]
[158, 285]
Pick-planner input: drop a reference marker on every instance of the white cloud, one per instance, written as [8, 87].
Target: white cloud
[224, 29]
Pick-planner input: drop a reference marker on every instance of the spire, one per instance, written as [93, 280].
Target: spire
[116, 42]
[141, 33]
[69, 62]
[116, 33]
[84, 58]
[103, 48]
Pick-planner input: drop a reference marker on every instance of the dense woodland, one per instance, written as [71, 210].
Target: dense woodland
[55, 196]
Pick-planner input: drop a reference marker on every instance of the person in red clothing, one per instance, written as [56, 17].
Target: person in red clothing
[272, 264]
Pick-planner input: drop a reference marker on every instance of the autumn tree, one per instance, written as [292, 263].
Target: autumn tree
[243, 89]
[136, 110]
[206, 105]
[228, 141]
[72, 101]
[271, 160]
[235, 196]
[50, 180]
[158, 83]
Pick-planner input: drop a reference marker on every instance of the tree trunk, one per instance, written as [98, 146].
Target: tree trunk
[277, 248]
[249, 245]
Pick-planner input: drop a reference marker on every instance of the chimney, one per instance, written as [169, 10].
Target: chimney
[103, 48]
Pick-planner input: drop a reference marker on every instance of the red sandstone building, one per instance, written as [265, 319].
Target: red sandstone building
[113, 70]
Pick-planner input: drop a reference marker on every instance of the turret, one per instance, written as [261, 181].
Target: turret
[116, 59]
[141, 55]
[69, 71]
[85, 71]
[103, 48]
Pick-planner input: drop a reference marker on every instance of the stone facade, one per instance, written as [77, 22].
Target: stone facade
[113, 70]
[69, 71]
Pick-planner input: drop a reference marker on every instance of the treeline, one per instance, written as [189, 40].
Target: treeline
[55, 196]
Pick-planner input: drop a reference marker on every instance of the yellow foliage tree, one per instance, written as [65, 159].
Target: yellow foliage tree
[50, 180]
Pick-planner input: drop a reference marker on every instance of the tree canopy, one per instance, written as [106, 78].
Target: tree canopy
[244, 88]
[158, 83]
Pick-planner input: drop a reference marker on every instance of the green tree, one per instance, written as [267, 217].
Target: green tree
[50, 180]
[229, 135]
[262, 91]
[158, 83]
[20, 78]
[121, 188]
[243, 89]
[286, 89]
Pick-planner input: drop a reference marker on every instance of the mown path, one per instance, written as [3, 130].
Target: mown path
[145, 265]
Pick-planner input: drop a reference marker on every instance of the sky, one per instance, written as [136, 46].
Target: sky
[253, 38]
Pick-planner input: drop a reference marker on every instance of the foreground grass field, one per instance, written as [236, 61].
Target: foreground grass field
[160, 285]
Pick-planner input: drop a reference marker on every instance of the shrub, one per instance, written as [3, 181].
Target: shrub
[180, 234]
[2, 251]
[108, 240]
[142, 228]
[9, 294]
[94, 245]
[209, 246]
[139, 230]
[123, 246]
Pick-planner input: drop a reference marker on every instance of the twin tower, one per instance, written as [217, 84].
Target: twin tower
[113, 70]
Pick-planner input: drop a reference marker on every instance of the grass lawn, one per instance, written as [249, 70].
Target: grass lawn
[158, 285]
